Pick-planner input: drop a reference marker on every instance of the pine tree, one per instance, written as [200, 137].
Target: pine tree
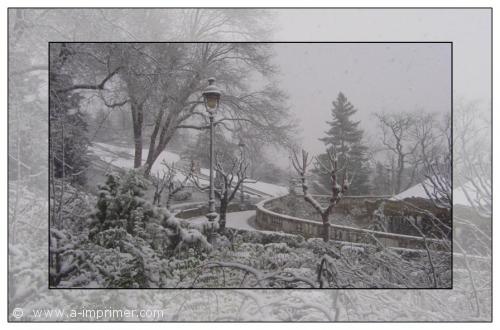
[345, 138]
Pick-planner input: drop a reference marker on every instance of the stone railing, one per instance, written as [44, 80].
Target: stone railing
[269, 220]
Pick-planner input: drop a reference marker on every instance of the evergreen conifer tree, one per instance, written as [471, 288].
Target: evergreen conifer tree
[346, 140]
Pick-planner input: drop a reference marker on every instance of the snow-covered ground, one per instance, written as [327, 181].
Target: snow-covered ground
[236, 220]
[269, 189]
[123, 157]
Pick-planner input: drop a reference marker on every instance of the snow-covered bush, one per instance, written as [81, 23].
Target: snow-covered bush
[182, 196]
[130, 243]
[121, 204]
[126, 243]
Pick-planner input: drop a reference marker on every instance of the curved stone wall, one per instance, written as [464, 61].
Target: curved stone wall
[269, 220]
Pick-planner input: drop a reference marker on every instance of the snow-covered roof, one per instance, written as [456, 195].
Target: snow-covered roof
[459, 195]
[417, 190]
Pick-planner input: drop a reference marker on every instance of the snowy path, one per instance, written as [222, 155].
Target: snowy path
[236, 220]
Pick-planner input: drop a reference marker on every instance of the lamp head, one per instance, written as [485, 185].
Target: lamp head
[211, 96]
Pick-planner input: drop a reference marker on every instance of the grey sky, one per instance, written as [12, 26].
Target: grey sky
[468, 29]
[374, 77]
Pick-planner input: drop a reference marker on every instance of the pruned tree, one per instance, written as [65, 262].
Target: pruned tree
[167, 182]
[338, 186]
[230, 175]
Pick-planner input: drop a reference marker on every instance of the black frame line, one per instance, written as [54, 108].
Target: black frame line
[279, 8]
[450, 43]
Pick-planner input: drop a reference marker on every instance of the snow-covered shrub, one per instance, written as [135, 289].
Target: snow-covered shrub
[268, 237]
[126, 243]
[121, 204]
[68, 231]
[130, 243]
[182, 196]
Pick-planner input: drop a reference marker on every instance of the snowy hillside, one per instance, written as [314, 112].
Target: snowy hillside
[123, 157]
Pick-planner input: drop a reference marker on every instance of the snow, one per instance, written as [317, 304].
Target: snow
[268, 188]
[236, 220]
[415, 191]
[123, 157]
[459, 196]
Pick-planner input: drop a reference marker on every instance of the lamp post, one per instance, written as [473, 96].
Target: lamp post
[211, 97]
[242, 188]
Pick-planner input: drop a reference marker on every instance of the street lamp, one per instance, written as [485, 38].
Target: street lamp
[242, 189]
[211, 97]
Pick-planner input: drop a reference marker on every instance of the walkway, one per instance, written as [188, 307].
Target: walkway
[236, 220]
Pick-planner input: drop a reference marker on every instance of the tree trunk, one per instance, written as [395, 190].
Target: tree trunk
[222, 215]
[326, 227]
[137, 118]
[399, 174]
[152, 142]
[156, 198]
[155, 153]
[168, 201]
[138, 150]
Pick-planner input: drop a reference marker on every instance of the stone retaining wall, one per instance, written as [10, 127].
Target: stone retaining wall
[268, 220]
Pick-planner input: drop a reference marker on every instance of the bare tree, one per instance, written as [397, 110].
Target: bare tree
[167, 182]
[474, 160]
[230, 175]
[337, 190]
[397, 140]
[162, 84]
[438, 165]
[414, 142]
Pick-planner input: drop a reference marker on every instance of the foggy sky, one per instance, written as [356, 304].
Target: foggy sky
[374, 77]
[468, 29]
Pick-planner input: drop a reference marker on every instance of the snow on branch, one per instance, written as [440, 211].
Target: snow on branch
[300, 164]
